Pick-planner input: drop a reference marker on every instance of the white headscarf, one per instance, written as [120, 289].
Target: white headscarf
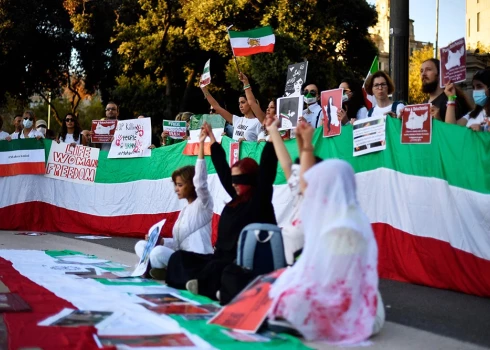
[331, 292]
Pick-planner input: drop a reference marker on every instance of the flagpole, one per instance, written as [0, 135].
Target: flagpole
[233, 52]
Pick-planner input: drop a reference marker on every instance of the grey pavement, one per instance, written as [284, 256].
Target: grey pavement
[418, 317]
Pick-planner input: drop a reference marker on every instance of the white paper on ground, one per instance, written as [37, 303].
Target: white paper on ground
[76, 259]
[92, 237]
[139, 323]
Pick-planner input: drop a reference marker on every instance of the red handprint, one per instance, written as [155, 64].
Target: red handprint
[137, 146]
[118, 140]
[139, 130]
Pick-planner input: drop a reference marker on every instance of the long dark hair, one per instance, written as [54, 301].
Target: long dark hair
[64, 129]
[484, 77]
[356, 101]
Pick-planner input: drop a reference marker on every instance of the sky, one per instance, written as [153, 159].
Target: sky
[452, 18]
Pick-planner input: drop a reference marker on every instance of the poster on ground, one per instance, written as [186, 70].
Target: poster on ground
[453, 63]
[206, 75]
[248, 310]
[176, 129]
[153, 234]
[369, 135]
[295, 79]
[78, 318]
[162, 341]
[289, 110]
[131, 139]
[331, 103]
[103, 130]
[72, 163]
[416, 124]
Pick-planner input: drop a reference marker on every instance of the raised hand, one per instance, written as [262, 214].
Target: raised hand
[243, 78]
[450, 90]
[204, 133]
[272, 124]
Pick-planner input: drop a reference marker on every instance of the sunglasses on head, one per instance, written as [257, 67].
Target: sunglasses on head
[311, 92]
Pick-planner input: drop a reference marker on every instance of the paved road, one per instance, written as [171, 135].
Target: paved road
[443, 314]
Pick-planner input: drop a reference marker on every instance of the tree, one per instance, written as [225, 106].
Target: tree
[415, 94]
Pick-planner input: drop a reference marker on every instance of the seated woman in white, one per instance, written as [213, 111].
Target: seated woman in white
[331, 293]
[192, 230]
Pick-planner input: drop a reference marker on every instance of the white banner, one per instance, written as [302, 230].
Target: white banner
[132, 139]
[72, 163]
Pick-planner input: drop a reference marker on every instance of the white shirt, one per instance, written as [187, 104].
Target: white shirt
[69, 139]
[480, 118]
[3, 135]
[312, 116]
[381, 111]
[262, 135]
[32, 134]
[362, 113]
[192, 230]
[14, 135]
[248, 128]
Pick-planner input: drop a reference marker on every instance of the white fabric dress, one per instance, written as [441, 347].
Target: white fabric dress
[70, 139]
[331, 293]
[192, 230]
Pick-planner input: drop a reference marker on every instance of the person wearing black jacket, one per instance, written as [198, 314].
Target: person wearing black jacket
[250, 186]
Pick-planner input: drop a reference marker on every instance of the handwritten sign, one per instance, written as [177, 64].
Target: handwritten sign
[72, 163]
[132, 139]
[175, 129]
[416, 124]
[103, 130]
[453, 63]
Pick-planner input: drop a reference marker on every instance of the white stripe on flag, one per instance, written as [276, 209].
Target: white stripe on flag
[237, 43]
[22, 156]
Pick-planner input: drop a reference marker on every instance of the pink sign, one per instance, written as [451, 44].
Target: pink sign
[331, 104]
[453, 63]
[103, 130]
[416, 124]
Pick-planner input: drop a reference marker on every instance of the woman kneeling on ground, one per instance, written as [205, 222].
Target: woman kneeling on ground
[192, 230]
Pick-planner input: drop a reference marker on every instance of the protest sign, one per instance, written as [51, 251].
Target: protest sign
[216, 122]
[289, 110]
[206, 75]
[369, 135]
[331, 104]
[416, 124]
[131, 139]
[248, 310]
[175, 129]
[22, 157]
[72, 163]
[295, 79]
[103, 130]
[453, 63]
[234, 152]
[153, 234]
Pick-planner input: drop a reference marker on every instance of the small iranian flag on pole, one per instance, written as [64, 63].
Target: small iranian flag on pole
[252, 41]
[206, 75]
[369, 99]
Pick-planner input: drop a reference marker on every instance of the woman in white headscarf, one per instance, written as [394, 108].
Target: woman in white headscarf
[331, 293]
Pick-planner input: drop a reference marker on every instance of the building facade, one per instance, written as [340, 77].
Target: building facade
[478, 24]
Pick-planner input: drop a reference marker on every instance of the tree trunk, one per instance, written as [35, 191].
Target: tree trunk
[187, 97]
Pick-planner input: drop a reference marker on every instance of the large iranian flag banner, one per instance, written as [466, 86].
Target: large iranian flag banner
[22, 157]
[428, 203]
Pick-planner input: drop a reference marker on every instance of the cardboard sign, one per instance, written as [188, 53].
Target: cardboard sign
[296, 77]
[131, 139]
[206, 75]
[175, 129]
[234, 152]
[248, 310]
[153, 234]
[453, 63]
[103, 130]
[369, 135]
[289, 110]
[416, 124]
[331, 104]
[72, 163]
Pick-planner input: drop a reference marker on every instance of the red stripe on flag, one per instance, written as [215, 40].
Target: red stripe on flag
[253, 50]
[23, 331]
[368, 103]
[32, 168]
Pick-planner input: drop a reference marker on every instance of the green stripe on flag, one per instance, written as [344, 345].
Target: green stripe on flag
[374, 66]
[21, 145]
[253, 33]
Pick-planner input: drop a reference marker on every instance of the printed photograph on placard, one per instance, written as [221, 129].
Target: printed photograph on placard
[77, 318]
[453, 62]
[289, 110]
[295, 79]
[331, 104]
[369, 135]
[164, 298]
[416, 124]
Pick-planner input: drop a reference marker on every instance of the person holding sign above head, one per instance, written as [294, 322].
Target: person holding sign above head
[250, 187]
[71, 132]
[192, 230]
[353, 107]
[246, 128]
[381, 86]
[477, 119]
[28, 132]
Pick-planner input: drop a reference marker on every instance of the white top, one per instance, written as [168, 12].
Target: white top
[192, 230]
[311, 117]
[480, 118]
[32, 134]
[3, 135]
[69, 139]
[262, 135]
[248, 128]
[362, 113]
[14, 135]
[381, 111]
